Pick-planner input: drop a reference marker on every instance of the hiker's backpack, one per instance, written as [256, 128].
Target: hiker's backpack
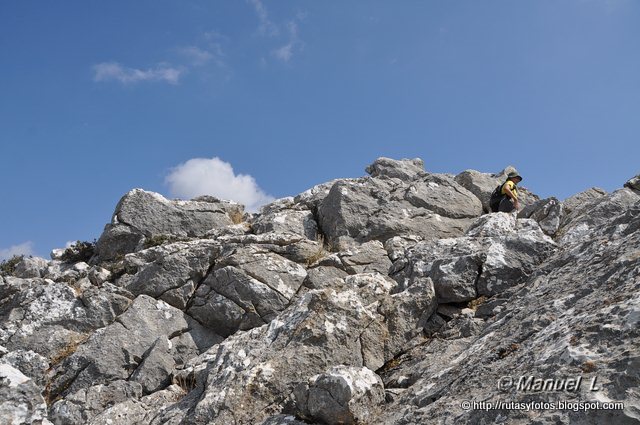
[496, 197]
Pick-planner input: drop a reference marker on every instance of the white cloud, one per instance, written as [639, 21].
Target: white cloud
[113, 71]
[266, 26]
[25, 248]
[196, 55]
[285, 53]
[204, 176]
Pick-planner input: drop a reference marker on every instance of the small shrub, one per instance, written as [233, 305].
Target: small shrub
[8, 267]
[475, 303]
[186, 383]
[79, 251]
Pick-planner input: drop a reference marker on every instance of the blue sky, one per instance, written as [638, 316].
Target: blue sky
[97, 98]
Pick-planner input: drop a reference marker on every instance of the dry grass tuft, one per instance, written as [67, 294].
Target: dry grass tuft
[236, 216]
[319, 253]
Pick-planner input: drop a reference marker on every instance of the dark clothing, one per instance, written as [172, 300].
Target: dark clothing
[506, 205]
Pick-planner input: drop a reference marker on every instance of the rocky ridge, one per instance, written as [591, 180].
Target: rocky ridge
[386, 299]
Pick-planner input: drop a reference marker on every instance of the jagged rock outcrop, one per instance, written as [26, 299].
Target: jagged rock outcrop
[142, 215]
[387, 299]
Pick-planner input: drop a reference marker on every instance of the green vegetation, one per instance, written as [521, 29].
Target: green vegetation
[79, 251]
[8, 267]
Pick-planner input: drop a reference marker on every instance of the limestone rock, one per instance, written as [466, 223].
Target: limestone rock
[404, 169]
[579, 199]
[84, 405]
[577, 317]
[20, 399]
[547, 212]
[245, 289]
[360, 210]
[633, 183]
[30, 267]
[480, 184]
[169, 272]
[285, 216]
[140, 215]
[582, 221]
[401, 303]
[116, 351]
[444, 196]
[342, 395]
[47, 317]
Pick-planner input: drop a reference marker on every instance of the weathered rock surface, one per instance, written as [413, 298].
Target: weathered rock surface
[360, 210]
[405, 169]
[576, 317]
[388, 299]
[245, 289]
[142, 215]
[342, 395]
[285, 216]
[633, 183]
[20, 399]
[169, 272]
[547, 212]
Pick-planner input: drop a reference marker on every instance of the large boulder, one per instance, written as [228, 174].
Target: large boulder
[169, 272]
[142, 215]
[547, 212]
[30, 267]
[633, 183]
[285, 216]
[404, 169]
[360, 210]
[245, 289]
[342, 395]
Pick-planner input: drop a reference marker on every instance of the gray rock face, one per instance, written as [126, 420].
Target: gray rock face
[20, 399]
[245, 289]
[577, 317]
[497, 252]
[405, 169]
[386, 300]
[579, 199]
[47, 317]
[141, 215]
[285, 216]
[30, 267]
[547, 212]
[135, 335]
[169, 272]
[342, 395]
[582, 221]
[633, 183]
[360, 210]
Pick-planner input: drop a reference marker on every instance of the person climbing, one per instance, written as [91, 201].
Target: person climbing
[505, 197]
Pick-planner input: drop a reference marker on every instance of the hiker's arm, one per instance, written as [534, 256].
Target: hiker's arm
[510, 194]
